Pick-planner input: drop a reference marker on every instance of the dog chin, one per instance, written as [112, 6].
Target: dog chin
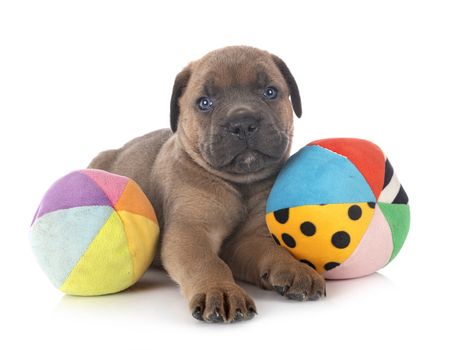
[248, 162]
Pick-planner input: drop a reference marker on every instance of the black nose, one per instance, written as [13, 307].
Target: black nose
[243, 127]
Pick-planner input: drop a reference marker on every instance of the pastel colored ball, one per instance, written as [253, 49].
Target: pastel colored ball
[94, 233]
[337, 205]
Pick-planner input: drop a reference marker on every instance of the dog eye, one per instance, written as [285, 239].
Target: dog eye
[270, 92]
[205, 103]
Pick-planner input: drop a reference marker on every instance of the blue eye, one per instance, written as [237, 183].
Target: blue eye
[204, 103]
[270, 92]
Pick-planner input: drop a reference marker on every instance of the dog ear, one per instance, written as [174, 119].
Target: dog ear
[179, 86]
[291, 83]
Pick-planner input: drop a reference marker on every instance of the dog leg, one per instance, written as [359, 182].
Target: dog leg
[205, 280]
[254, 257]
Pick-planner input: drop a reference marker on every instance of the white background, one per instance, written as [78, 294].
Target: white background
[83, 76]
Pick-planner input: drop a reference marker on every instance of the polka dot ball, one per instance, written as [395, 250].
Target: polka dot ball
[338, 207]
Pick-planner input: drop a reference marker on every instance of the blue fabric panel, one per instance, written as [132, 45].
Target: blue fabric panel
[315, 175]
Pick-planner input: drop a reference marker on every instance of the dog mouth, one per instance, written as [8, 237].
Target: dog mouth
[244, 158]
[248, 161]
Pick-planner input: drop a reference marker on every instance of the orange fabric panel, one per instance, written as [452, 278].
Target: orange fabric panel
[135, 201]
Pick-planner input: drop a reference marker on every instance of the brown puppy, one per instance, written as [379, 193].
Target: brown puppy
[209, 177]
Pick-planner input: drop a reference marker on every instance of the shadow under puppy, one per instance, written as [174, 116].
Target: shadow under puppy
[209, 176]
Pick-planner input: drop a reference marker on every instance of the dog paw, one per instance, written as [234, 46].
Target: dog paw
[222, 303]
[295, 281]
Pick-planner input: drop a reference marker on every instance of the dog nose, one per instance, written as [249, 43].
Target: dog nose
[243, 127]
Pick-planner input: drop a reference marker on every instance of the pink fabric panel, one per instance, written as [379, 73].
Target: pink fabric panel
[113, 185]
[373, 252]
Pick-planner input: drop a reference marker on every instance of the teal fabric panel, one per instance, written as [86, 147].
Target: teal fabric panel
[59, 238]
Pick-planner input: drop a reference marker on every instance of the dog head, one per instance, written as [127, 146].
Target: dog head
[232, 113]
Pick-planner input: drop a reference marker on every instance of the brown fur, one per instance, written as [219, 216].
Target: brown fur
[212, 214]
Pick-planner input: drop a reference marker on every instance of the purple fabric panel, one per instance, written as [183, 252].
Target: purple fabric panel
[72, 190]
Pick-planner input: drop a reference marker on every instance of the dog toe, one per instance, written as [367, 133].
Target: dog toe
[296, 282]
[228, 303]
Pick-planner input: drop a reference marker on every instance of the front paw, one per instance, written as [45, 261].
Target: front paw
[296, 281]
[222, 303]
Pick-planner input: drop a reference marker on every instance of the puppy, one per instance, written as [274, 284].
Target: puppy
[209, 176]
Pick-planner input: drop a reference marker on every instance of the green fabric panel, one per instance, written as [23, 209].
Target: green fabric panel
[398, 217]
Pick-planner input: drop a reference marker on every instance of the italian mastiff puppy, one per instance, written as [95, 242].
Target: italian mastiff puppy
[209, 176]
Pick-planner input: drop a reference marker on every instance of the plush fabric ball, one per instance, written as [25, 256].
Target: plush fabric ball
[338, 206]
[94, 233]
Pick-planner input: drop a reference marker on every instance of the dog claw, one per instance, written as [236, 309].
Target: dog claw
[198, 314]
[238, 316]
[316, 297]
[281, 289]
[215, 317]
[297, 296]
[251, 313]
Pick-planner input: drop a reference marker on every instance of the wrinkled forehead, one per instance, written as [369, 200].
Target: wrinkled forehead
[222, 73]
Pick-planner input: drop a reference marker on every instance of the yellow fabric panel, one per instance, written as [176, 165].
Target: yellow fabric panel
[142, 236]
[327, 219]
[106, 266]
[134, 200]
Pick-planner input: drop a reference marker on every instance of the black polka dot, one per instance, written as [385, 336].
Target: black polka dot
[288, 240]
[308, 228]
[341, 239]
[371, 204]
[331, 265]
[309, 263]
[282, 215]
[355, 212]
[275, 239]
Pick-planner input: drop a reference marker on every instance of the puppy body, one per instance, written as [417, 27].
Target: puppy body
[208, 179]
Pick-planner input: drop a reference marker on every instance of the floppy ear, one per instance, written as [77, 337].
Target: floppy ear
[179, 86]
[291, 83]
